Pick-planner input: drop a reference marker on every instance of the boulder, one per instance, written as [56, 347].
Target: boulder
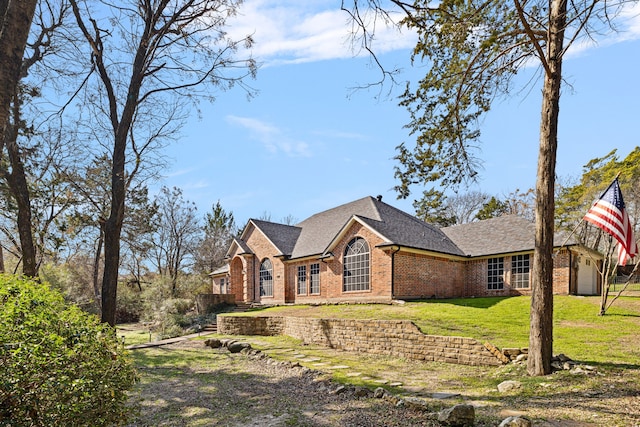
[227, 341]
[416, 403]
[509, 385]
[213, 343]
[459, 415]
[237, 347]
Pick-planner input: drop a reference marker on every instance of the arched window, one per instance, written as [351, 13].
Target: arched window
[266, 278]
[356, 266]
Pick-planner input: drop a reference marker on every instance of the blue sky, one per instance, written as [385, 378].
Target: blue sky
[307, 142]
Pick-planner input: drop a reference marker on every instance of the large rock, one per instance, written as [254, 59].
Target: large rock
[237, 347]
[509, 385]
[213, 343]
[459, 415]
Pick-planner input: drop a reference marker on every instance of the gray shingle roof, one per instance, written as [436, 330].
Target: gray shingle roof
[503, 234]
[398, 227]
[283, 236]
[314, 235]
[220, 270]
[509, 233]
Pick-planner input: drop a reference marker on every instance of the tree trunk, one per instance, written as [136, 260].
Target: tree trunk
[16, 19]
[19, 189]
[96, 263]
[541, 316]
[1, 260]
[17, 183]
[112, 231]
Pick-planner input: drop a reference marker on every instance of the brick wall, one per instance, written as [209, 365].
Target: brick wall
[397, 338]
[237, 284]
[331, 272]
[477, 277]
[561, 272]
[422, 276]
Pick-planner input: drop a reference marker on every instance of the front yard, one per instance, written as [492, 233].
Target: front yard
[189, 384]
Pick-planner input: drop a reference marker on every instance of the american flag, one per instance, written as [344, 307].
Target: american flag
[609, 213]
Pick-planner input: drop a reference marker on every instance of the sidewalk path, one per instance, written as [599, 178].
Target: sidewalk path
[167, 341]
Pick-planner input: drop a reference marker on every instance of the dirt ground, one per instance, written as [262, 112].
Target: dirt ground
[214, 387]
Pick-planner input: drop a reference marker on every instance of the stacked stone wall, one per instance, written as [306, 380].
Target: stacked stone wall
[396, 338]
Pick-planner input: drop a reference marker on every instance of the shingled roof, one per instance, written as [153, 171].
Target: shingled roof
[315, 235]
[500, 235]
[283, 236]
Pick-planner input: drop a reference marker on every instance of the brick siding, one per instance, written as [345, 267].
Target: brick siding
[423, 276]
[416, 275]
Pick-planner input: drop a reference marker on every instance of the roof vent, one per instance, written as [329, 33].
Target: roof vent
[379, 197]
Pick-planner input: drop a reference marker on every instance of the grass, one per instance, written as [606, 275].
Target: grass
[578, 330]
[206, 379]
[134, 334]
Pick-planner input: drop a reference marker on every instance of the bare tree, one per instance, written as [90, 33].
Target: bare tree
[177, 233]
[31, 154]
[465, 206]
[150, 57]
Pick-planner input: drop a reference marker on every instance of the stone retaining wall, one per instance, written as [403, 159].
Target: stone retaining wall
[398, 338]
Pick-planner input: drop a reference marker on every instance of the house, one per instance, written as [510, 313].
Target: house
[370, 251]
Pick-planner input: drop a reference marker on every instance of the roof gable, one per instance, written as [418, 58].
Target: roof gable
[283, 237]
[320, 231]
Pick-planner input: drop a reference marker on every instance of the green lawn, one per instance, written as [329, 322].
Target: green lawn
[578, 330]
[207, 378]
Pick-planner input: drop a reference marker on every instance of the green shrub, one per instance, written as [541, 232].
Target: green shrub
[59, 366]
[178, 305]
[129, 304]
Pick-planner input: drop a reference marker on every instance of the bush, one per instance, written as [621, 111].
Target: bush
[129, 304]
[59, 366]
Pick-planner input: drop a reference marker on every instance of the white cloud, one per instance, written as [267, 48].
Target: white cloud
[630, 20]
[271, 137]
[294, 31]
[306, 31]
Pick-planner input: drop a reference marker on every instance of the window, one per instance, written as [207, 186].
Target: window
[314, 279]
[266, 278]
[356, 266]
[222, 286]
[520, 271]
[302, 279]
[495, 273]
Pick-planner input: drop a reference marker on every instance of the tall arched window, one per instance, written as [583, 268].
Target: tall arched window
[356, 266]
[266, 278]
